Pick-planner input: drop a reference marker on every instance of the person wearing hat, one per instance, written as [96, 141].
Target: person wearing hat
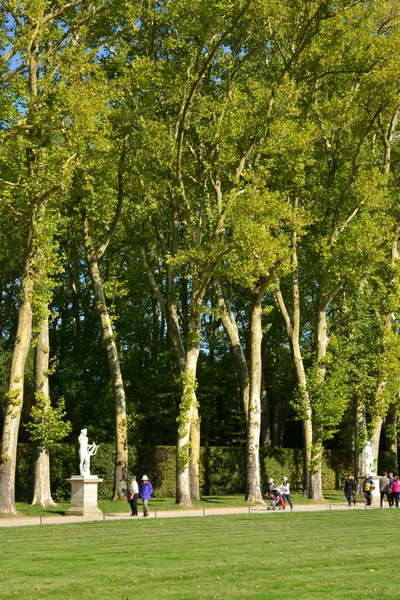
[146, 490]
[133, 497]
[285, 489]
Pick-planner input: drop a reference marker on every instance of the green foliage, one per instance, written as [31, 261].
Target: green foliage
[226, 114]
[222, 469]
[47, 423]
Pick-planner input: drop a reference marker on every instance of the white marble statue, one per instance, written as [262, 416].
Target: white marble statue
[369, 459]
[86, 450]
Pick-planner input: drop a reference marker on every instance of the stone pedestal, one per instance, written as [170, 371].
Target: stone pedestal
[84, 496]
[376, 495]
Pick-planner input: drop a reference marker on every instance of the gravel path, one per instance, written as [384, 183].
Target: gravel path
[168, 514]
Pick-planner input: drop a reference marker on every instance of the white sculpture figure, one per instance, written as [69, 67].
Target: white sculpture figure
[86, 450]
[369, 460]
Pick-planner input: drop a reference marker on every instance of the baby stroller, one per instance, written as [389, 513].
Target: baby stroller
[275, 500]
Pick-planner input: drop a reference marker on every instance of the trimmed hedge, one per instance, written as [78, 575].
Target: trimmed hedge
[222, 469]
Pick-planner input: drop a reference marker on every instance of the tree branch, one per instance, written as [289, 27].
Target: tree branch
[103, 247]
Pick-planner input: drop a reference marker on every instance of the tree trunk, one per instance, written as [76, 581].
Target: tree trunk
[266, 440]
[375, 439]
[121, 428]
[360, 434]
[231, 330]
[15, 396]
[391, 432]
[254, 493]
[186, 409]
[293, 333]
[188, 441]
[194, 464]
[41, 484]
[316, 492]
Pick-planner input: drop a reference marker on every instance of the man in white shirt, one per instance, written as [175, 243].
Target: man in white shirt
[134, 494]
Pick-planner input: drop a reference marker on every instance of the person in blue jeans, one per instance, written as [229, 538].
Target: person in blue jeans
[146, 490]
[285, 489]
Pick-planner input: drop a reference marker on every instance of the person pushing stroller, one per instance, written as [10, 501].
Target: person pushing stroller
[275, 497]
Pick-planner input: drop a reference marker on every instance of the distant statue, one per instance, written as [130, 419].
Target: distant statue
[369, 459]
[86, 450]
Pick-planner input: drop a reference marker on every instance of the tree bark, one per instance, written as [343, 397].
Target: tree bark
[360, 433]
[188, 411]
[108, 338]
[15, 396]
[391, 431]
[375, 439]
[194, 464]
[41, 484]
[266, 440]
[254, 493]
[317, 449]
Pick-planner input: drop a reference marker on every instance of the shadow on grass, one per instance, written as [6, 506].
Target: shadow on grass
[214, 499]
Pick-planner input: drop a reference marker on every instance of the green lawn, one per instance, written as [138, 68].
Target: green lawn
[159, 504]
[325, 555]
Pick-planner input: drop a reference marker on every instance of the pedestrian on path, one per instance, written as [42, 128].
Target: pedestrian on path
[368, 487]
[384, 487]
[396, 490]
[285, 489]
[146, 490]
[133, 497]
[391, 479]
[350, 489]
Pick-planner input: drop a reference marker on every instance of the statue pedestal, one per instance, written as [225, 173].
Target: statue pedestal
[84, 496]
[376, 495]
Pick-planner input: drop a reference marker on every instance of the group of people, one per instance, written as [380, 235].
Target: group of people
[389, 486]
[280, 495]
[144, 492]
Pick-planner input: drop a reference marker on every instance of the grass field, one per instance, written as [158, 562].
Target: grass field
[322, 555]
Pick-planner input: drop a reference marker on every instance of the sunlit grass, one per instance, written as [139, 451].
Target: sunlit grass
[330, 555]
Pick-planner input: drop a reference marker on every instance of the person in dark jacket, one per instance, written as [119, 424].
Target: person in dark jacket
[384, 488]
[390, 495]
[368, 487]
[146, 490]
[350, 489]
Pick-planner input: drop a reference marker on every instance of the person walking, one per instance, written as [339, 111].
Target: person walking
[146, 490]
[384, 487]
[391, 479]
[285, 489]
[133, 496]
[368, 487]
[350, 489]
[396, 490]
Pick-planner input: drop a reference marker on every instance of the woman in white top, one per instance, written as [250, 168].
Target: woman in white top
[285, 489]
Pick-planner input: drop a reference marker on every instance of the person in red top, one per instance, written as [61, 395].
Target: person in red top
[396, 490]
